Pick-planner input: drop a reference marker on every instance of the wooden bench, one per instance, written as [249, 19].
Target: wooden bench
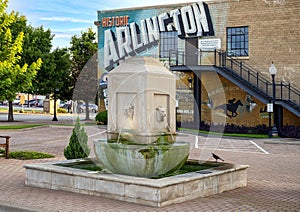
[5, 145]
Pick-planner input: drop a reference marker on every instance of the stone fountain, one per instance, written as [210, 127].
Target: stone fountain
[140, 145]
[141, 121]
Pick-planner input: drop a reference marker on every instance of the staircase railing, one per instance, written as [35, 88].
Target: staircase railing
[285, 91]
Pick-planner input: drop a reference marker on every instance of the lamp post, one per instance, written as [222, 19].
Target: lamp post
[54, 117]
[273, 71]
[190, 80]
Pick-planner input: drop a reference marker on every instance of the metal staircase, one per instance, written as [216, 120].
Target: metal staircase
[247, 78]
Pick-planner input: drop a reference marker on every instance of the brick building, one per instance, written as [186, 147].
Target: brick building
[220, 52]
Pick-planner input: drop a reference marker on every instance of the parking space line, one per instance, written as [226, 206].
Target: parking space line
[259, 147]
[97, 134]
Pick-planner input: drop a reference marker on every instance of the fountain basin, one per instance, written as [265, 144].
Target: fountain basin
[151, 192]
[141, 160]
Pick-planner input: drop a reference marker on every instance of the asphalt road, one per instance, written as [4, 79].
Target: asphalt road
[42, 117]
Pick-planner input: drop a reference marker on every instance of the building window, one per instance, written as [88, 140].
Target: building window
[237, 41]
[168, 42]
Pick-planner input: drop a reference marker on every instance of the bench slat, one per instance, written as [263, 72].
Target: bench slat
[5, 145]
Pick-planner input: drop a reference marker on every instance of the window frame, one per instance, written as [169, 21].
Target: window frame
[168, 41]
[237, 41]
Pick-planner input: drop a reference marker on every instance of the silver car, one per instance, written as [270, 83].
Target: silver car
[92, 108]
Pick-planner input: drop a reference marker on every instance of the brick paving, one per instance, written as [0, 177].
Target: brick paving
[273, 181]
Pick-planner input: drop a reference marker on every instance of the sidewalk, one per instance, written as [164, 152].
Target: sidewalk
[273, 181]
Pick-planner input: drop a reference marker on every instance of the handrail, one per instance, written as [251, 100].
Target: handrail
[285, 91]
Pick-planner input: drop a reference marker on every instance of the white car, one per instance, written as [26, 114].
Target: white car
[92, 108]
[16, 102]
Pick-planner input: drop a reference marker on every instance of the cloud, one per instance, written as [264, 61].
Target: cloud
[63, 35]
[66, 19]
[116, 4]
[79, 29]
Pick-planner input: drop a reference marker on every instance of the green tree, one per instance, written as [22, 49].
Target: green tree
[38, 44]
[13, 76]
[55, 71]
[61, 77]
[77, 147]
[58, 76]
[82, 49]
[84, 67]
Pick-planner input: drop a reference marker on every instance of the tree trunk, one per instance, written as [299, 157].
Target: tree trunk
[10, 111]
[87, 111]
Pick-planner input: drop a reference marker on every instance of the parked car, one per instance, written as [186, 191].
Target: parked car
[32, 103]
[40, 103]
[3, 102]
[92, 108]
[62, 104]
[16, 102]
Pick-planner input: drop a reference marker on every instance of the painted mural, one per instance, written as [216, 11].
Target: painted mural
[136, 31]
[230, 109]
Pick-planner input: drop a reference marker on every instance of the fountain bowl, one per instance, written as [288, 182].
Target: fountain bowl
[141, 160]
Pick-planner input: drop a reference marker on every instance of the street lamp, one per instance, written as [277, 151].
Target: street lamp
[190, 80]
[273, 71]
[55, 118]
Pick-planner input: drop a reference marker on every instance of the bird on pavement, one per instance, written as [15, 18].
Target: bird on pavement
[216, 157]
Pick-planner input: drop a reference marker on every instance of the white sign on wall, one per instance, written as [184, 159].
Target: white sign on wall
[209, 44]
[270, 108]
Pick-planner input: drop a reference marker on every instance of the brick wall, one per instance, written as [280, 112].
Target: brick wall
[274, 33]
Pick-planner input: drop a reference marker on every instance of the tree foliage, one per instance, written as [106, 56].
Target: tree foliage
[61, 77]
[55, 70]
[84, 67]
[82, 49]
[14, 76]
[38, 44]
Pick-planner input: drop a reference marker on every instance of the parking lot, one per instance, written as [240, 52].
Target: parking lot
[273, 181]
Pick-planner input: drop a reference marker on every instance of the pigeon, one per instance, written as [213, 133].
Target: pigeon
[216, 157]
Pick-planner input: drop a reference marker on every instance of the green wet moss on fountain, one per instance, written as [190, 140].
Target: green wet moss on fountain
[187, 167]
[143, 160]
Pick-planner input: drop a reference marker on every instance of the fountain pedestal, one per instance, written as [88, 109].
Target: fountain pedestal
[141, 101]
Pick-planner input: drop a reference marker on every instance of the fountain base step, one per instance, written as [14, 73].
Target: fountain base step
[151, 192]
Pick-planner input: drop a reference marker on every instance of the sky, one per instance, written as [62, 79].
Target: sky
[66, 18]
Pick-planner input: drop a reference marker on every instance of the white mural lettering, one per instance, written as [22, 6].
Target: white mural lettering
[188, 21]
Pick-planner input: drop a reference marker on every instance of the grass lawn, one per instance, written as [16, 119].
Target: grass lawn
[24, 110]
[26, 155]
[16, 127]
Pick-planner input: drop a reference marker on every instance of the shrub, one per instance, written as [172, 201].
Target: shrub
[290, 131]
[287, 131]
[61, 110]
[77, 147]
[101, 117]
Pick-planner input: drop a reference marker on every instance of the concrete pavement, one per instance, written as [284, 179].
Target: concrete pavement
[273, 181]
